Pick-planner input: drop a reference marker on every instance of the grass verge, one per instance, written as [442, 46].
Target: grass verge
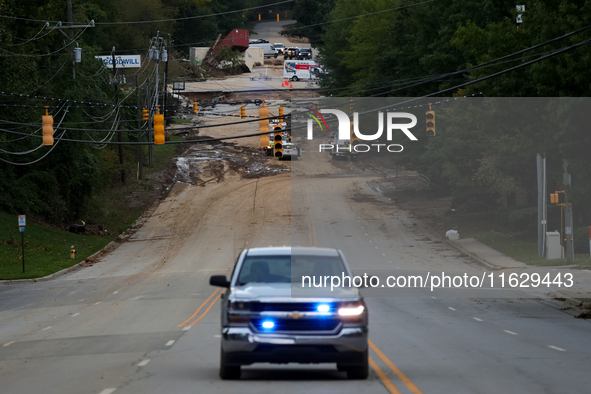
[482, 227]
[47, 250]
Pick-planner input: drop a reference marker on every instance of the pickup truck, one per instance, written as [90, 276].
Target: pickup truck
[269, 315]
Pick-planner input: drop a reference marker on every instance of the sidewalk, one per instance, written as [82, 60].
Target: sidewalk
[578, 295]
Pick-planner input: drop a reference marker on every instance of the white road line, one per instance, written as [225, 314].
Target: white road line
[136, 298]
[365, 233]
[46, 328]
[510, 332]
[376, 247]
[8, 344]
[390, 260]
[169, 343]
[115, 292]
[449, 307]
[108, 391]
[75, 314]
[477, 319]
[217, 336]
[434, 297]
[143, 363]
[383, 255]
[550, 346]
[186, 328]
[96, 303]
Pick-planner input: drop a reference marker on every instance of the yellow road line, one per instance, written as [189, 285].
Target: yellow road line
[411, 386]
[198, 309]
[387, 382]
[207, 310]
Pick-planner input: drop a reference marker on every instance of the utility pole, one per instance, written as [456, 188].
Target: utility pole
[75, 54]
[138, 114]
[157, 51]
[165, 90]
[71, 37]
[118, 117]
[568, 217]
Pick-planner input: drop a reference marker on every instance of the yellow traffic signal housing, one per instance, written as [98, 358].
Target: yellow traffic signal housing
[278, 145]
[557, 198]
[351, 104]
[242, 112]
[264, 127]
[280, 114]
[145, 114]
[47, 128]
[430, 119]
[159, 137]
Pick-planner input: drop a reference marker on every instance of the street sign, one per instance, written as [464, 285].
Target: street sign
[22, 228]
[22, 220]
[178, 85]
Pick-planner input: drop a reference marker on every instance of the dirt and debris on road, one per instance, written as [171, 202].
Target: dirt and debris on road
[202, 163]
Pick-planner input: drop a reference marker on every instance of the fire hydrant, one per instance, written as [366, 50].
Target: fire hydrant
[72, 252]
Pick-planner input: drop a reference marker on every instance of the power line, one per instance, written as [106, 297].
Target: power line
[359, 16]
[158, 20]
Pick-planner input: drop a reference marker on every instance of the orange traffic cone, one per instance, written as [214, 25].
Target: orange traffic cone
[290, 85]
[283, 84]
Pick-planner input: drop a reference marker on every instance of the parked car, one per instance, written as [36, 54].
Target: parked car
[269, 316]
[279, 48]
[291, 53]
[268, 49]
[305, 54]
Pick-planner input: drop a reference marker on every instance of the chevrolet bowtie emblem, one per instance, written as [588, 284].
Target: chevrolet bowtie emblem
[295, 315]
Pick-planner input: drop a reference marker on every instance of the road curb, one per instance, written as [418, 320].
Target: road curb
[474, 257]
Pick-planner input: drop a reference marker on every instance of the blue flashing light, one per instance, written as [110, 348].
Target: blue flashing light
[268, 324]
[323, 308]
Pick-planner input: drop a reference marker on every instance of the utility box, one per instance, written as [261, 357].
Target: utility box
[553, 247]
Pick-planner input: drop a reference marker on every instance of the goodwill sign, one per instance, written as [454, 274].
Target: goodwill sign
[126, 61]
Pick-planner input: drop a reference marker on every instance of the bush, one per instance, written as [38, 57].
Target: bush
[473, 200]
[581, 240]
[525, 219]
[502, 214]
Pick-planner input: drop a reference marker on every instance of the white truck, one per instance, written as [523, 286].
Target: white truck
[269, 50]
[301, 69]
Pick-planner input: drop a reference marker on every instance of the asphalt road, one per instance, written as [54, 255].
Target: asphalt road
[145, 320]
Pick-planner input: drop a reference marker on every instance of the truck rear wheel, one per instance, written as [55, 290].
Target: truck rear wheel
[294, 78]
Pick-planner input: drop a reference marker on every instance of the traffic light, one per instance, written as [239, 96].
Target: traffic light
[430, 118]
[145, 114]
[264, 127]
[242, 112]
[280, 114]
[557, 198]
[278, 145]
[195, 106]
[47, 128]
[159, 137]
[354, 139]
